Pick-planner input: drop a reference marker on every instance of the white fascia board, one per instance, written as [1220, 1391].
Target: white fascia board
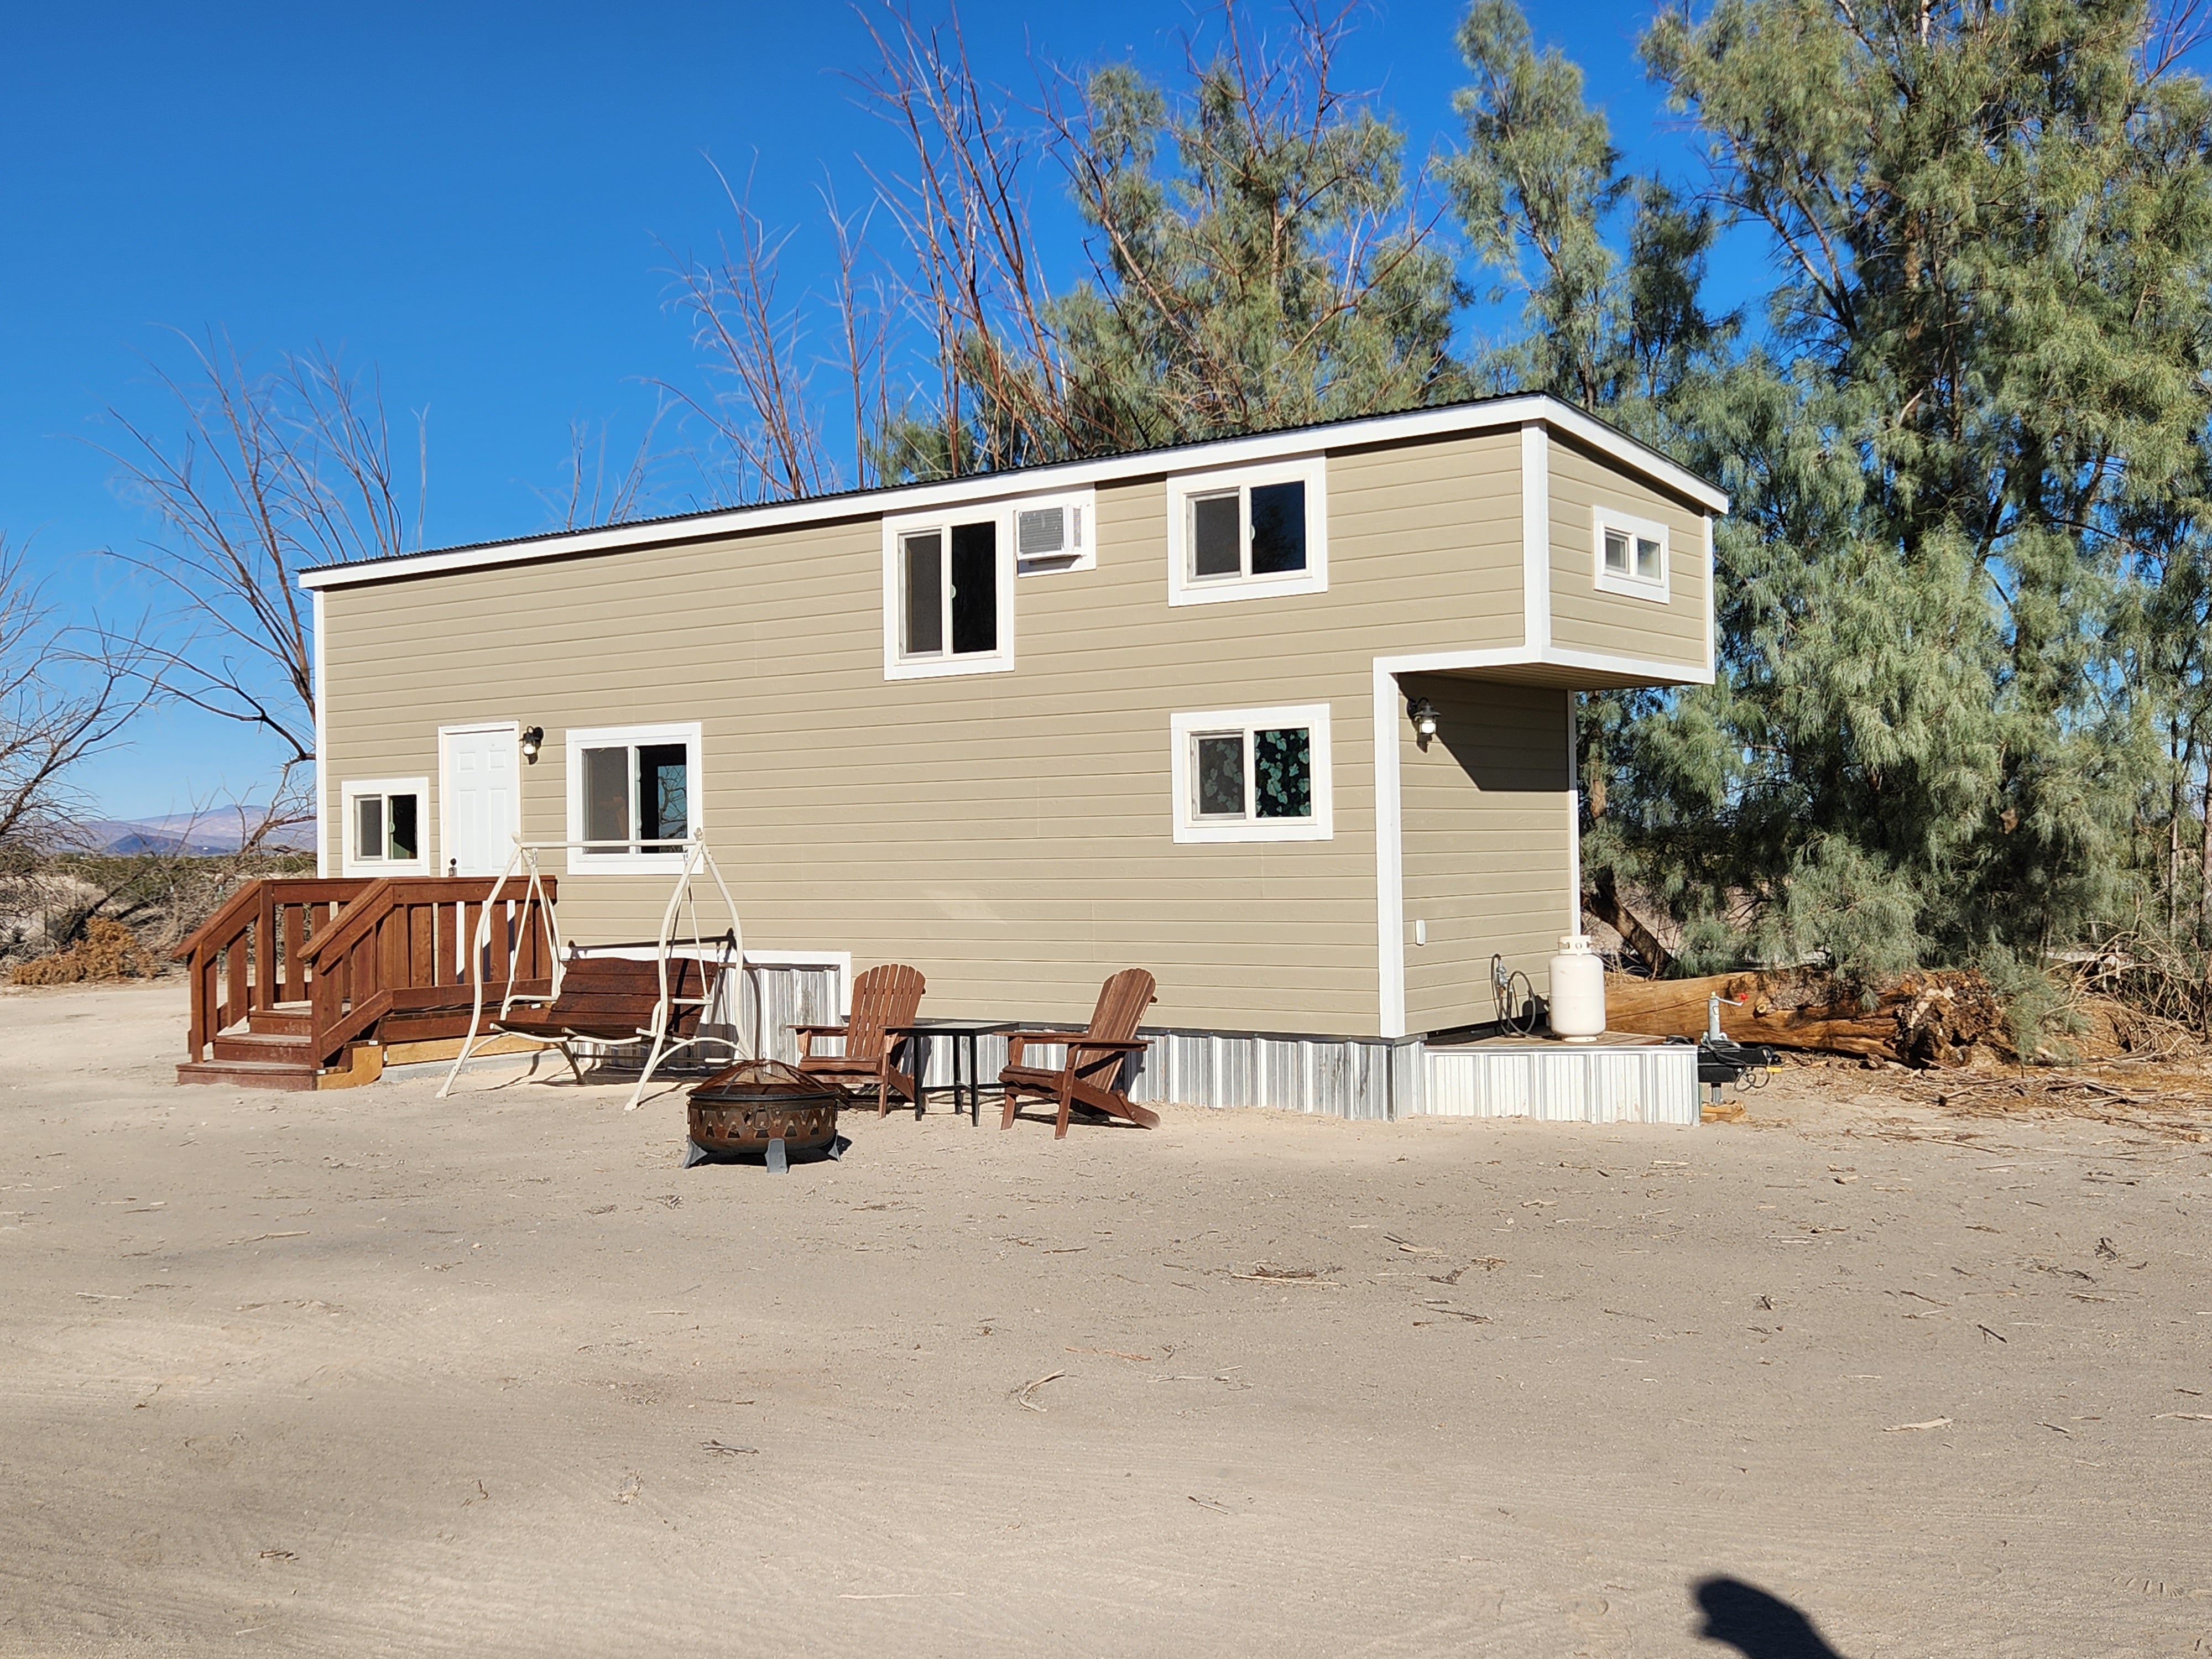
[322, 751]
[1503, 413]
[1389, 857]
[1646, 669]
[1536, 536]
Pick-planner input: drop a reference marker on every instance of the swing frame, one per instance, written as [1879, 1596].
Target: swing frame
[698, 859]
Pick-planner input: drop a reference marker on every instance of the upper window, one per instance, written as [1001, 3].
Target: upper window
[1630, 555]
[1248, 532]
[1252, 775]
[383, 824]
[949, 595]
[633, 797]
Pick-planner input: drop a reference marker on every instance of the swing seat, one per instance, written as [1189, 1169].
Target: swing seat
[614, 1000]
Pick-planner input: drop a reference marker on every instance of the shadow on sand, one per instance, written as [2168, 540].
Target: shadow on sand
[1756, 1625]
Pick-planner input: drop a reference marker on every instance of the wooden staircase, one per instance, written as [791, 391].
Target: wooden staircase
[276, 1050]
[290, 974]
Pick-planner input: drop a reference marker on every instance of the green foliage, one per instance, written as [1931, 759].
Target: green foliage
[1962, 590]
[1258, 266]
[1257, 260]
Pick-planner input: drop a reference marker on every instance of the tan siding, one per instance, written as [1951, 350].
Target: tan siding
[1011, 833]
[1584, 619]
[1486, 829]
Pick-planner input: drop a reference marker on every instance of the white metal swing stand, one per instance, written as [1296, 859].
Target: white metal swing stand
[729, 945]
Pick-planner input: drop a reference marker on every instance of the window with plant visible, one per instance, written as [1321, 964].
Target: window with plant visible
[633, 796]
[1631, 555]
[1252, 775]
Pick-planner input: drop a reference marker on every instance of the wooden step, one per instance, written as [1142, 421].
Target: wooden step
[264, 1045]
[292, 1019]
[248, 1074]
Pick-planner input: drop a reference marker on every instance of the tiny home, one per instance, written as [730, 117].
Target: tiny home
[1286, 718]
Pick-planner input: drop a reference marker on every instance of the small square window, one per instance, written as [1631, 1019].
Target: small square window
[1251, 533]
[383, 822]
[1631, 556]
[1252, 775]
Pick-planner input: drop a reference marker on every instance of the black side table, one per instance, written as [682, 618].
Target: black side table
[964, 1033]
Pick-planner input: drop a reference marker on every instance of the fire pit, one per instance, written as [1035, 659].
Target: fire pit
[738, 1110]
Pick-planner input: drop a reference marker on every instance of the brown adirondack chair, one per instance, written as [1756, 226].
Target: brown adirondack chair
[1094, 1058]
[883, 997]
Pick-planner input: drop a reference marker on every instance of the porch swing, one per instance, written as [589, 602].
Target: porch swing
[605, 1000]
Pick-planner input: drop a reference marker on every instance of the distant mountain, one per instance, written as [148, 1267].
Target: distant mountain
[195, 835]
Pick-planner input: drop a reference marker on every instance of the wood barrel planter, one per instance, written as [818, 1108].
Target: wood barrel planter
[738, 1110]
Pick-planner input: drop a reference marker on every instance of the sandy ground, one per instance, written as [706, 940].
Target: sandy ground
[370, 1373]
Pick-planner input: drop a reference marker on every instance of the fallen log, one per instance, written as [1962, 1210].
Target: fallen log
[1919, 1019]
[1604, 902]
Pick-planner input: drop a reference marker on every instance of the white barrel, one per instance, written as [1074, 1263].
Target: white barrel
[1577, 990]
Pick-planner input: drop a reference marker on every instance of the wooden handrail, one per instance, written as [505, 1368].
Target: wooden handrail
[406, 942]
[351, 950]
[378, 897]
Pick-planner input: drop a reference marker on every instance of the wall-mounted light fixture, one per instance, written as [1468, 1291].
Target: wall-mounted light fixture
[533, 739]
[1422, 713]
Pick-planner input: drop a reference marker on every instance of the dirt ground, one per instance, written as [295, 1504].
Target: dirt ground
[369, 1373]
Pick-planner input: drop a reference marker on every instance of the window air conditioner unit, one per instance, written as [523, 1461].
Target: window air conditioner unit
[1049, 538]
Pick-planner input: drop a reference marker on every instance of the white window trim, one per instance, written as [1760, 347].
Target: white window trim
[1629, 585]
[1086, 556]
[1311, 470]
[1191, 829]
[351, 790]
[578, 740]
[512, 729]
[1000, 661]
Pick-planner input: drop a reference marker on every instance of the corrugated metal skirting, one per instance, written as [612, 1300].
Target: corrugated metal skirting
[1368, 1079]
[1563, 1084]
[776, 998]
[1332, 1077]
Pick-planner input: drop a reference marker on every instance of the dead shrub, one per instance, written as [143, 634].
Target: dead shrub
[109, 951]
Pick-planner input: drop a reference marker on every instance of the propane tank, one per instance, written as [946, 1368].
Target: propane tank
[1577, 990]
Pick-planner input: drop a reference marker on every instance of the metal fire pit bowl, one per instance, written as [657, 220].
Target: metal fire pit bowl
[738, 1110]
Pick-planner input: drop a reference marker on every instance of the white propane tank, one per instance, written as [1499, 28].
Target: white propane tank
[1577, 990]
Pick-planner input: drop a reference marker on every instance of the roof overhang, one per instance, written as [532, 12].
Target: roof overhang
[1492, 414]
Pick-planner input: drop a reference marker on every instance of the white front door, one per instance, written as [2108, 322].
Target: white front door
[481, 814]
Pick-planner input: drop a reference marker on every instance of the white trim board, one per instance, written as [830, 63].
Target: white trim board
[1535, 537]
[1498, 414]
[322, 750]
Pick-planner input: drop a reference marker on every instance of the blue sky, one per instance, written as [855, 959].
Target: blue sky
[474, 200]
